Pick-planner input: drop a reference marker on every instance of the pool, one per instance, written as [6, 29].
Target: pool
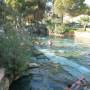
[68, 60]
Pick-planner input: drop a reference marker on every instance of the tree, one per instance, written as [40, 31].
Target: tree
[78, 7]
[14, 51]
[15, 42]
[31, 8]
[73, 7]
[15, 4]
[34, 9]
[61, 7]
[85, 20]
[87, 10]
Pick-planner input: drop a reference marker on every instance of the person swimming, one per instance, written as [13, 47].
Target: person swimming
[50, 43]
[79, 83]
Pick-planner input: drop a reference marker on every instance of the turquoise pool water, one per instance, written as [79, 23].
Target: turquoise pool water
[68, 60]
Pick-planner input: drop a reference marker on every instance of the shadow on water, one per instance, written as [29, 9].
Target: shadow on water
[23, 83]
[49, 76]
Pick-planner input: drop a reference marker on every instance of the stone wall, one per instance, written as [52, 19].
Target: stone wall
[4, 84]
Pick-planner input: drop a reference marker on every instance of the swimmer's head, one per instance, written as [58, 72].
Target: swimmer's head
[69, 85]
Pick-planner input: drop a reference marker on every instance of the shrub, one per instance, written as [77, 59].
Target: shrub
[14, 53]
[68, 29]
[50, 25]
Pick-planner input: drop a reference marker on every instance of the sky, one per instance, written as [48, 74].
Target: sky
[87, 2]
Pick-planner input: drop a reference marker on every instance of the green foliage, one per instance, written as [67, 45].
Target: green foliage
[14, 52]
[25, 8]
[87, 10]
[50, 25]
[15, 43]
[60, 6]
[68, 29]
[73, 7]
[15, 4]
[77, 8]
[84, 21]
[59, 28]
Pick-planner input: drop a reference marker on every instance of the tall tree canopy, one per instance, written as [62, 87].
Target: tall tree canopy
[61, 6]
[72, 7]
[78, 7]
[26, 8]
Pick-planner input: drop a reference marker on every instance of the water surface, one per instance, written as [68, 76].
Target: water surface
[67, 61]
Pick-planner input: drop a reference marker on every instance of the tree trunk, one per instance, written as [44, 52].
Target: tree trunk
[85, 26]
[62, 19]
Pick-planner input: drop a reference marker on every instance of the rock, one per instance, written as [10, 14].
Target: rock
[33, 65]
[2, 73]
[4, 82]
[33, 58]
[42, 57]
